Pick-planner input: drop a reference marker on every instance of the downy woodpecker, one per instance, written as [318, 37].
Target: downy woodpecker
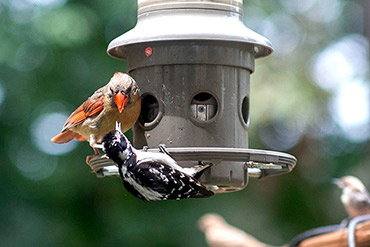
[152, 176]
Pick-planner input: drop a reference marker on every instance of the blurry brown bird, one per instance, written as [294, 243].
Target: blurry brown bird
[355, 197]
[119, 100]
[220, 234]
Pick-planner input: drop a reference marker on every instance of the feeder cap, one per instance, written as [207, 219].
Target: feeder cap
[189, 25]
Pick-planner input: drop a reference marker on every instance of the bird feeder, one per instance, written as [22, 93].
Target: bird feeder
[192, 60]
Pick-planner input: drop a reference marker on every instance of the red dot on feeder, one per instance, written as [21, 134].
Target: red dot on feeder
[148, 51]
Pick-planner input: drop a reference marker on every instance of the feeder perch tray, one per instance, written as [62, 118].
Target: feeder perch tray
[255, 163]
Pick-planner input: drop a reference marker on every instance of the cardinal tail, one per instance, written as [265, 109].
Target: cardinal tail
[66, 136]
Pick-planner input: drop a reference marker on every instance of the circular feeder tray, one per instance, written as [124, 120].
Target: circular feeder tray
[256, 163]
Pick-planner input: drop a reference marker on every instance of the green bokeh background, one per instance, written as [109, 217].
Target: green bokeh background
[53, 56]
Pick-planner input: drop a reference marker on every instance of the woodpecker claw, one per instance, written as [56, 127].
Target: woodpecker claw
[163, 149]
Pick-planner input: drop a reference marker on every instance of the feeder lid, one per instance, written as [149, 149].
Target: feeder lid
[189, 24]
[152, 5]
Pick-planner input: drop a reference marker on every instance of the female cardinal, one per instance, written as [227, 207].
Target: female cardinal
[119, 100]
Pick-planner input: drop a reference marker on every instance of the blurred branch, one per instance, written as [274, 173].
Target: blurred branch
[219, 233]
[339, 238]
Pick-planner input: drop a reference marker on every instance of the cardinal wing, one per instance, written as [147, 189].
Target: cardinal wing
[91, 107]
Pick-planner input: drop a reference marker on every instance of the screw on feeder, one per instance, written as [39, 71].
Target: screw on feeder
[203, 107]
[195, 88]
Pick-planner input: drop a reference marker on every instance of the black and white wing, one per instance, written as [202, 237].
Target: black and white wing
[152, 181]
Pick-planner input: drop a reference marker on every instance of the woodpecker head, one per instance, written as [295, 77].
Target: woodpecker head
[116, 145]
[350, 184]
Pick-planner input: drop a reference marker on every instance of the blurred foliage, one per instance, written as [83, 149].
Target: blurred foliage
[53, 56]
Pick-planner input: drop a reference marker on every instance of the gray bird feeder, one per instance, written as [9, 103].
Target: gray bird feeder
[192, 60]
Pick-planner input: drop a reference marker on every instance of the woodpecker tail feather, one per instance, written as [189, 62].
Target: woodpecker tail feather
[197, 171]
[204, 193]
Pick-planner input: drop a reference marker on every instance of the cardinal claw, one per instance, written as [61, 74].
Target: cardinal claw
[104, 156]
[95, 146]
[89, 158]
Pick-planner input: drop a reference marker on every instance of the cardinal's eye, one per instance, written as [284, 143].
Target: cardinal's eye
[128, 90]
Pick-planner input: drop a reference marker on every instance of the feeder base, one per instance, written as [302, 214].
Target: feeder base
[231, 167]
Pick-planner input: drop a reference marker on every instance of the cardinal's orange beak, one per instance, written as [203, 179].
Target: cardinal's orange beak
[121, 100]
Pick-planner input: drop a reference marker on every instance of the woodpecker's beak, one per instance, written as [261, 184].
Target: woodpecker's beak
[118, 126]
[121, 100]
